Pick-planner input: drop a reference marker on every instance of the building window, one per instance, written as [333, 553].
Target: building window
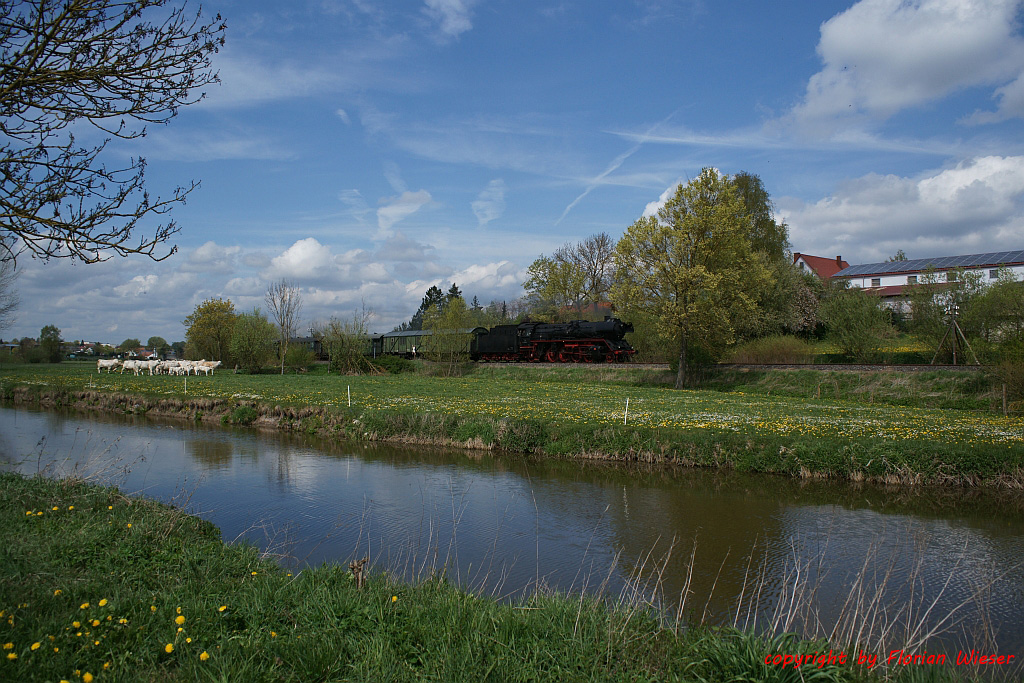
[993, 274]
[911, 279]
[876, 282]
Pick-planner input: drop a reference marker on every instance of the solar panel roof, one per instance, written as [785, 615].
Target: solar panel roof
[994, 258]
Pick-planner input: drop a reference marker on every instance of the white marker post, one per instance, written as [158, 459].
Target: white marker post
[626, 414]
[348, 390]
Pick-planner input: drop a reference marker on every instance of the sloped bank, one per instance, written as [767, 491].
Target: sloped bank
[907, 462]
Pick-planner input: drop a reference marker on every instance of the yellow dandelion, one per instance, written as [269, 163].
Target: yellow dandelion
[152, 608]
[106, 665]
[222, 608]
[95, 623]
[203, 656]
[28, 512]
[122, 620]
[57, 592]
[178, 610]
[56, 649]
[35, 646]
[129, 525]
[76, 624]
[103, 602]
[254, 573]
[169, 648]
[12, 656]
[188, 640]
[179, 620]
[394, 598]
[38, 514]
[87, 677]
[55, 508]
[71, 507]
[273, 634]
[84, 605]
[110, 507]
[8, 646]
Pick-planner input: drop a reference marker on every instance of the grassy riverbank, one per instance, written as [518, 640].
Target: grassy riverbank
[99, 586]
[808, 437]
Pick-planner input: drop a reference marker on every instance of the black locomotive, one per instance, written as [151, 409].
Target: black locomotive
[578, 341]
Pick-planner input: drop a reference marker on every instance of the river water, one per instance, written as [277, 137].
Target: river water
[726, 547]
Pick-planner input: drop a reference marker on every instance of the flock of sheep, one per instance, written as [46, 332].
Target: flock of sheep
[159, 367]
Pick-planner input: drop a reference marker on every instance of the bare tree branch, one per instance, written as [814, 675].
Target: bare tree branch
[285, 303]
[84, 66]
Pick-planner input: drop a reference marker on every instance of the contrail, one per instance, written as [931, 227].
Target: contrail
[612, 167]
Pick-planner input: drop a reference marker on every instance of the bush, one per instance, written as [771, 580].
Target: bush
[394, 365]
[776, 349]
[244, 415]
[299, 358]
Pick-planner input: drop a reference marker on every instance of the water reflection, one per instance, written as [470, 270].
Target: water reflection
[506, 524]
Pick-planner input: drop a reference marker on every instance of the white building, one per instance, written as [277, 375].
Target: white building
[888, 279]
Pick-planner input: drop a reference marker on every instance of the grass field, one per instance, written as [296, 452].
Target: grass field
[756, 431]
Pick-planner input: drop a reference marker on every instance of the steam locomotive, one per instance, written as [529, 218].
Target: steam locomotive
[578, 341]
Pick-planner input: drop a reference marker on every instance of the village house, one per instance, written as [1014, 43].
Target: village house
[824, 268]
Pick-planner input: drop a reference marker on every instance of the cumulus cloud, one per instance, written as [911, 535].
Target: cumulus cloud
[490, 203]
[398, 208]
[883, 56]
[654, 207]
[211, 257]
[972, 207]
[451, 16]
[399, 247]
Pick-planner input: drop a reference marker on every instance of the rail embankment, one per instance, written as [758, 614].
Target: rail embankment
[815, 437]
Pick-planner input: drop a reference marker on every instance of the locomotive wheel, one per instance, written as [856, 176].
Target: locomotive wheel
[551, 356]
[564, 357]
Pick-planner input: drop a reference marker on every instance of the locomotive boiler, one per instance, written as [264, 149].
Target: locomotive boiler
[578, 341]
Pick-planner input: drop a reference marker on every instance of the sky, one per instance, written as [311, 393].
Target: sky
[367, 150]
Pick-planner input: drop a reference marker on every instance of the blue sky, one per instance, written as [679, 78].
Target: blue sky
[368, 150]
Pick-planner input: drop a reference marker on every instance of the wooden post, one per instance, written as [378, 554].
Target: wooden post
[1004, 400]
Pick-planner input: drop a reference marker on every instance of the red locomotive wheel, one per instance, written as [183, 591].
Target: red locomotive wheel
[551, 356]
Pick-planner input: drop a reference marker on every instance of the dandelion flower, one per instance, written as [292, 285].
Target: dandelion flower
[35, 646]
[129, 525]
[54, 508]
[222, 608]
[76, 624]
[87, 677]
[204, 655]
[188, 640]
[71, 507]
[179, 620]
[56, 649]
[12, 656]
[103, 602]
[95, 623]
[394, 598]
[152, 608]
[84, 605]
[122, 620]
[8, 646]
[57, 592]
[169, 648]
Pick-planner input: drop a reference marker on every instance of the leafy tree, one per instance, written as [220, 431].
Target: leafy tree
[345, 342]
[767, 236]
[208, 330]
[691, 268]
[453, 293]
[935, 296]
[556, 283]
[252, 341]
[898, 256]
[111, 65]
[50, 343]
[158, 344]
[179, 349]
[857, 322]
[448, 344]
[129, 345]
[285, 303]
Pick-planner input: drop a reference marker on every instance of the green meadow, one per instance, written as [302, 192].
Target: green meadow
[560, 414]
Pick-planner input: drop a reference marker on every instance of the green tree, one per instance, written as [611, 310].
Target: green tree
[556, 284]
[935, 297]
[208, 330]
[433, 297]
[767, 235]
[345, 342]
[158, 344]
[252, 341]
[50, 343]
[448, 342]
[857, 322]
[129, 345]
[691, 268]
[78, 71]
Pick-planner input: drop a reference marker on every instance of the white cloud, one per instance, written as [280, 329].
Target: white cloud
[302, 259]
[211, 257]
[883, 56]
[972, 207]
[452, 16]
[490, 203]
[652, 208]
[398, 208]
[343, 115]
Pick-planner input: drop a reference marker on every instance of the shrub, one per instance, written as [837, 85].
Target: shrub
[299, 358]
[244, 415]
[394, 365]
[776, 349]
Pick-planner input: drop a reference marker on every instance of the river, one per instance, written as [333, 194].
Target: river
[726, 547]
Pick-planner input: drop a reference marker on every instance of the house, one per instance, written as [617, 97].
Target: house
[824, 268]
[888, 279]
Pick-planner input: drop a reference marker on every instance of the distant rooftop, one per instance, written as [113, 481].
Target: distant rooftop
[991, 259]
